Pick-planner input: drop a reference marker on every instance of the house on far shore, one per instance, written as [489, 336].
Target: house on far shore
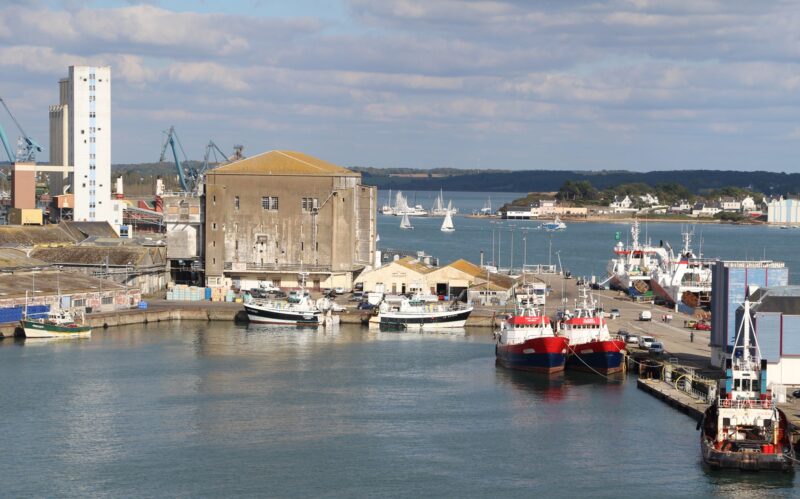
[730, 204]
[624, 205]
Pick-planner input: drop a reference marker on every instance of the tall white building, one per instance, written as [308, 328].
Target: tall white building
[85, 111]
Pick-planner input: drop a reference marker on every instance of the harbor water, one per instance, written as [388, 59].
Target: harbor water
[211, 409]
[584, 247]
[196, 409]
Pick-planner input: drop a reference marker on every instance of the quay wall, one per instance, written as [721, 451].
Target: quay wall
[179, 312]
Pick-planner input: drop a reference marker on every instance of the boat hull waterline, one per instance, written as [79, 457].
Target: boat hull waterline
[543, 355]
[426, 321]
[605, 357]
[262, 315]
[35, 329]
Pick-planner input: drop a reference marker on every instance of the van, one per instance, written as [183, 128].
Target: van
[656, 348]
[645, 315]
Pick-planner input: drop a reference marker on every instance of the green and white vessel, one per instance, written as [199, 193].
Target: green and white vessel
[59, 323]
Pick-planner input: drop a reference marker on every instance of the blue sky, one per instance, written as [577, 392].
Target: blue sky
[513, 84]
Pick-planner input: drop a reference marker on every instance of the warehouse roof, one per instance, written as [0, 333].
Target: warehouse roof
[97, 255]
[414, 264]
[51, 282]
[283, 163]
[11, 259]
[32, 235]
[784, 299]
[467, 267]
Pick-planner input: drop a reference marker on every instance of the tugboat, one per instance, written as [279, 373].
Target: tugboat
[591, 347]
[743, 429]
[526, 341]
[414, 313]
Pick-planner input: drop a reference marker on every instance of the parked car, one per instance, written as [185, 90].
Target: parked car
[276, 294]
[796, 394]
[656, 348]
[702, 326]
[632, 339]
[645, 315]
[623, 335]
[646, 341]
[357, 296]
[614, 314]
[691, 323]
[359, 286]
[365, 305]
[335, 307]
[338, 290]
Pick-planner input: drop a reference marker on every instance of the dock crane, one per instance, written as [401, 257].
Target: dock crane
[170, 141]
[190, 178]
[26, 146]
[212, 149]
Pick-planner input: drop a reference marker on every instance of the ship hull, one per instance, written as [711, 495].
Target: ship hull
[543, 355]
[436, 320]
[264, 315]
[758, 455]
[605, 357]
[35, 329]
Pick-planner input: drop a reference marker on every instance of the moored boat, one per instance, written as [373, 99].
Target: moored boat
[526, 341]
[413, 313]
[297, 309]
[744, 429]
[59, 323]
[591, 347]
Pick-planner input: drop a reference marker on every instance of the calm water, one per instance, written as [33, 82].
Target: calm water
[584, 248]
[191, 409]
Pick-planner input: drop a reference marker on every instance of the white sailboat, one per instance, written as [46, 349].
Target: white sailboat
[447, 224]
[405, 223]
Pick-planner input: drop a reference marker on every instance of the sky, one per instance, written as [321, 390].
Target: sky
[509, 84]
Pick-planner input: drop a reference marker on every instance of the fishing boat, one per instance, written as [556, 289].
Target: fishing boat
[405, 223]
[297, 309]
[555, 225]
[526, 341]
[744, 429]
[487, 208]
[630, 269]
[447, 224]
[59, 323]
[414, 313]
[591, 347]
[684, 278]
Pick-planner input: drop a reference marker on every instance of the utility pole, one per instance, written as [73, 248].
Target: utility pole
[511, 267]
[525, 249]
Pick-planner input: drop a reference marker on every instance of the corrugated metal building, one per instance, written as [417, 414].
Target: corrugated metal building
[732, 282]
[776, 317]
[276, 214]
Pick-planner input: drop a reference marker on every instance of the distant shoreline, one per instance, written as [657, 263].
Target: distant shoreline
[627, 220]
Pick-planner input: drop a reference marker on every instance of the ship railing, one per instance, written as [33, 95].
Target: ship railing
[746, 403]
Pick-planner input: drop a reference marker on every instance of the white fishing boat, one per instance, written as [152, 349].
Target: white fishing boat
[406, 223]
[487, 208]
[683, 278]
[414, 313]
[630, 269]
[447, 224]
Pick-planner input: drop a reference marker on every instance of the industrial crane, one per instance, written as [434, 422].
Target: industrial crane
[212, 149]
[190, 178]
[170, 141]
[26, 146]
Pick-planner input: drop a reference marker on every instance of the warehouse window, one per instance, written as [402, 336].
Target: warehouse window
[273, 203]
[265, 202]
[108, 300]
[309, 204]
[236, 202]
